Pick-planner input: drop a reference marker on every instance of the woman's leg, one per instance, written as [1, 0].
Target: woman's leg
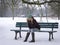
[33, 35]
[28, 33]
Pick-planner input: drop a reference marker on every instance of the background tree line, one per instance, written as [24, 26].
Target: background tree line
[19, 7]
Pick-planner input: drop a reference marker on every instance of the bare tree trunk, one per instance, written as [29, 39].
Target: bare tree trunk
[3, 8]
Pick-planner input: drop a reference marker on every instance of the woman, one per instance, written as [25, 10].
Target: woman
[33, 25]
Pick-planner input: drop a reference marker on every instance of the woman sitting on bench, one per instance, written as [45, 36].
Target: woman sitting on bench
[33, 25]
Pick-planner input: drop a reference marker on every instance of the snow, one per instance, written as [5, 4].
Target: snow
[7, 36]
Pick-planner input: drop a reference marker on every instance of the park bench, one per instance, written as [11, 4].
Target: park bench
[42, 25]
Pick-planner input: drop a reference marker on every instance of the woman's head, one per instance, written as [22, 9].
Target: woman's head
[30, 18]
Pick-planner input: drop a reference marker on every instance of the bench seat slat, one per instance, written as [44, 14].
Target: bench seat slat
[34, 31]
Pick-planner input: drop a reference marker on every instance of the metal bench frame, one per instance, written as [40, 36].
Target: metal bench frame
[42, 25]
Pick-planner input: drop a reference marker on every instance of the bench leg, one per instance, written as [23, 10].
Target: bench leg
[20, 34]
[52, 36]
[49, 36]
[16, 35]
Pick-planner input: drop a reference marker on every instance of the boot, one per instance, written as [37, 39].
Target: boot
[33, 38]
[26, 37]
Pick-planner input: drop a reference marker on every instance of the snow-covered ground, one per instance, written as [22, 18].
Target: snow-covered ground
[7, 36]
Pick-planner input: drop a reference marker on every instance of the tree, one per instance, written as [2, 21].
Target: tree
[56, 8]
[3, 7]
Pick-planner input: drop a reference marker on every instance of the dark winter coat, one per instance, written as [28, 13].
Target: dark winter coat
[34, 24]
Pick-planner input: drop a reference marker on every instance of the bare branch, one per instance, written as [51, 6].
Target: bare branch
[38, 3]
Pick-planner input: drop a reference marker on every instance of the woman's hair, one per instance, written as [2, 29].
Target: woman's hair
[32, 17]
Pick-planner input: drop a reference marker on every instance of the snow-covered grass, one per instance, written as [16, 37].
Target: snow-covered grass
[7, 36]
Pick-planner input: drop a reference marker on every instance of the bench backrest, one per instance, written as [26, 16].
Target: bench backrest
[48, 25]
[21, 24]
[42, 25]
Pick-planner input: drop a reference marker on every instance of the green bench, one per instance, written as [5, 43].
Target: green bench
[42, 25]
